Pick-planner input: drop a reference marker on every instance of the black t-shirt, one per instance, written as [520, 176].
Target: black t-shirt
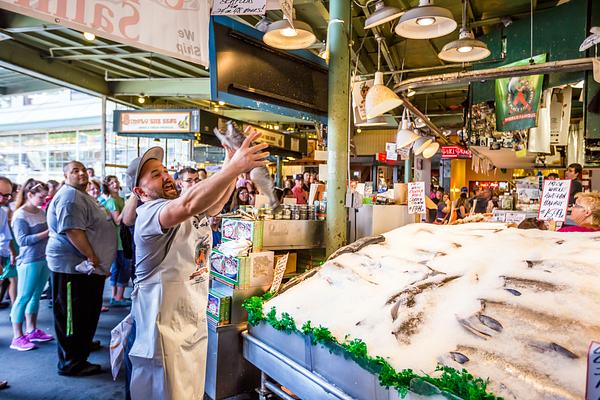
[576, 187]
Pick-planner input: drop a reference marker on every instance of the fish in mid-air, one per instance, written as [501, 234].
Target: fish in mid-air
[260, 176]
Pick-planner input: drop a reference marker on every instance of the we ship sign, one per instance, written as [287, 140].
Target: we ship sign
[177, 28]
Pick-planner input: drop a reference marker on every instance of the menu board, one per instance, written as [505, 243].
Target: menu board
[555, 200]
[416, 198]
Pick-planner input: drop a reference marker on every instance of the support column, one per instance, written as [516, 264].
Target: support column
[337, 124]
[103, 132]
[407, 170]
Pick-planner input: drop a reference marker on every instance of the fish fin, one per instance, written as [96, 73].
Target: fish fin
[490, 322]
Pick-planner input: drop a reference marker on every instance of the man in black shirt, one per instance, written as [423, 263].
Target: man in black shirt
[573, 172]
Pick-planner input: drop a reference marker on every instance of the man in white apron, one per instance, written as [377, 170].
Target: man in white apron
[172, 249]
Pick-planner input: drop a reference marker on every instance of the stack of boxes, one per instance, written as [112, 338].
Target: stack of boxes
[234, 279]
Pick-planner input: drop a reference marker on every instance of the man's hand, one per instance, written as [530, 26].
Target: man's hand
[247, 156]
[94, 261]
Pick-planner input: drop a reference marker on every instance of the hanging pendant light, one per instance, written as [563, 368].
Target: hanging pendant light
[381, 15]
[430, 150]
[426, 22]
[404, 136]
[282, 35]
[380, 99]
[421, 144]
[466, 48]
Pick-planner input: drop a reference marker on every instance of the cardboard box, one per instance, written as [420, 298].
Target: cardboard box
[235, 228]
[401, 193]
[292, 262]
[256, 269]
[219, 307]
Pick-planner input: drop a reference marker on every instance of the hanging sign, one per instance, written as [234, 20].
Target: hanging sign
[164, 121]
[592, 389]
[416, 198]
[456, 152]
[518, 98]
[280, 267]
[555, 200]
[176, 28]
[359, 96]
[390, 151]
[239, 7]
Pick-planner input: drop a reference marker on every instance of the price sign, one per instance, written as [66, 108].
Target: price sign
[555, 200]
[592, 389]
[416, 198]
[239, 7]
[390, 151]
[279, 271]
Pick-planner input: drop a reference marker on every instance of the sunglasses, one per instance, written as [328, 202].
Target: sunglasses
[6, 196]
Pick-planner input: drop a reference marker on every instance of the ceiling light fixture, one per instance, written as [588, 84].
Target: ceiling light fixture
[141, 98]
[410, 93]
[282, 35]
[221, 103]
[404, 136]
[381, 15]
[89, 36]
[426, 22]
[380, 99]
[421, 144]
[430, 150]
[358, 130]
[466, 48]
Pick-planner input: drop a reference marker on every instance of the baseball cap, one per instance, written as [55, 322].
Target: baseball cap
[135, 166]
[464, 190]
[299, 177]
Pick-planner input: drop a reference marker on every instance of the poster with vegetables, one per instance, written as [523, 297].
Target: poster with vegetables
[518, 98]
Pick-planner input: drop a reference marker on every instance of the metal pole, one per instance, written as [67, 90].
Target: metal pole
[338, 123]
[278, 181]
[408, 169]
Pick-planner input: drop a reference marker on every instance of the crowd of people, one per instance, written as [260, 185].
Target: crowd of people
[484, 200]
[67, 238]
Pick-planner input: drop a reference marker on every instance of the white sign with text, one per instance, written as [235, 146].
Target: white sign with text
[390, 151]
[416, 198]
[177, 28]
[592, 389]
[555, 200]
[239, 7]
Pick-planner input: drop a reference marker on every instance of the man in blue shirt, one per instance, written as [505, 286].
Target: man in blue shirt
[81, 236]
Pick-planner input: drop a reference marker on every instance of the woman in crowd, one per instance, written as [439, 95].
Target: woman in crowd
[461, 206]
[31, 233]
[120, 271]
[443, 207]
[94, 190]
[241, 197]
[585, 213]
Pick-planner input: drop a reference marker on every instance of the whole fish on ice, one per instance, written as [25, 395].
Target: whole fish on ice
[519, 307]
[260, 176]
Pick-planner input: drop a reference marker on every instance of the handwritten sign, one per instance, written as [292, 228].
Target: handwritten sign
[390, 151]
[555, 200]
[239, 7]
[416, 198]
[279, 271]
[592, 389]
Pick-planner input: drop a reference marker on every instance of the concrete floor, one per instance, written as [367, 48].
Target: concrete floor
[32, 374]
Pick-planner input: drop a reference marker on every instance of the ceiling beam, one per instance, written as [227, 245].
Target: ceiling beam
[194, 88]
[23, 59]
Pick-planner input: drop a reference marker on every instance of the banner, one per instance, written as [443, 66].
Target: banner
[156, 121]
[176, 28]
[518, 98]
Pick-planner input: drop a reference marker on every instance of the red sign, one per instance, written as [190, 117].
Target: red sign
[455, 152]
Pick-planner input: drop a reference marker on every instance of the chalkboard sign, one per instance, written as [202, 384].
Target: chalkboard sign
[248, 73]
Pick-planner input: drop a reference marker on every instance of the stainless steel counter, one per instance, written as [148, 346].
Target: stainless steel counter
[284, 234]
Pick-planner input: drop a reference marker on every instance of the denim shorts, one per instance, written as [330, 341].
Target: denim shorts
[120, 270]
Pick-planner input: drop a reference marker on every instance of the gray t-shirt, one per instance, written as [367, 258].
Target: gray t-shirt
[27, 227]
[152, 242]
[73, 209]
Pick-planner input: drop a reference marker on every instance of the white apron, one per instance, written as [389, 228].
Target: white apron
[169, 309]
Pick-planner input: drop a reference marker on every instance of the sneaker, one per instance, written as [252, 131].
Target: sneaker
[38, 335]
[22, 344]
[120, 303]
